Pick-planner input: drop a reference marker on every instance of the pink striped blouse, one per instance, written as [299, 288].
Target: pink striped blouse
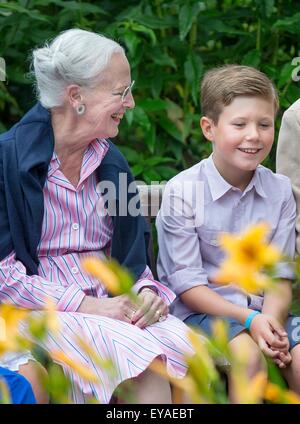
[72, 229]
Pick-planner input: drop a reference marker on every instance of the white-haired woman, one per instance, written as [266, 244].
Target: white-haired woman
[51, 217]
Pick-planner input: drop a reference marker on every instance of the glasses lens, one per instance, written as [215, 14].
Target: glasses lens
[126, 91]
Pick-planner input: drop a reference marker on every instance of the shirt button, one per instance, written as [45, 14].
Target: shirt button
[74, 270]
[75, 226]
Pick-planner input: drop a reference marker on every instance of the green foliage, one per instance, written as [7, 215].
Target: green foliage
[170, 44]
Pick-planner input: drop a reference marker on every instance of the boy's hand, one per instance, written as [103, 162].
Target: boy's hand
[284, 357]
[269, 335]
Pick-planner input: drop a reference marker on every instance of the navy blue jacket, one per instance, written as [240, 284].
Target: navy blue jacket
[25, 153]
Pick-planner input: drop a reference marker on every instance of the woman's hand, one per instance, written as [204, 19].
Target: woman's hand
[152, 309]
[119, 307]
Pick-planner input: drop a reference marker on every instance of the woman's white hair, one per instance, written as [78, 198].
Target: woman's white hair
[73, 57]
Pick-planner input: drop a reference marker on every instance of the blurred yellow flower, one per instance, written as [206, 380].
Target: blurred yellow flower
[102, 272]
[52, 322]
[106, 364]
[247, 255]
[251, 247]
[116, 279]
[10, 317]
[81, 369]
[276, 394]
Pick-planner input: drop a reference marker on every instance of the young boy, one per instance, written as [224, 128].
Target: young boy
[239, 105]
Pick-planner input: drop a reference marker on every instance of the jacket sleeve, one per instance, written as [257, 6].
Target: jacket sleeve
[20, 289]
[288, 156]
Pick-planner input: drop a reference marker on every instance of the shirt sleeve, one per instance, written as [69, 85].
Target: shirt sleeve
[147, 280]
[31, 292]
[288, 153]
[284, 236]
[180, 264]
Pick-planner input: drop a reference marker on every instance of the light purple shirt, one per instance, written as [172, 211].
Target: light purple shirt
[198, 205]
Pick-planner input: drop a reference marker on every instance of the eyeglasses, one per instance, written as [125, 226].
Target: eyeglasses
[125, 92]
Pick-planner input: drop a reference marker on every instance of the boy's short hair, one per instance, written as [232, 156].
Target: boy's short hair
[220, 86]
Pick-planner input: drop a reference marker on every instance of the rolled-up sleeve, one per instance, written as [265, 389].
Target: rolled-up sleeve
[284, 237]
[179, 260]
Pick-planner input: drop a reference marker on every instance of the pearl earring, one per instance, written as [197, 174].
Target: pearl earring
[80, 109]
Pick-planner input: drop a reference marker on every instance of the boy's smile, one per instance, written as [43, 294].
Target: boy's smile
[242, 137]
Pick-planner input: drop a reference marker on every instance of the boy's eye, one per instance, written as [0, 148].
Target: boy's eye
[238, 124]
[265, 125]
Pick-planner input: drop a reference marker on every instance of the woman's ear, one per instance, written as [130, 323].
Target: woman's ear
[207, 126]
[74, 96]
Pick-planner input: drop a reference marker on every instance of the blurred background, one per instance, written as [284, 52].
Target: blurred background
[169, 44]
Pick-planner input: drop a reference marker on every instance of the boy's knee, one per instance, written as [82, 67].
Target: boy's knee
[244, 348]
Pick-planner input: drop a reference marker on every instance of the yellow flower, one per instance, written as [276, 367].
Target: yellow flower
[52, 322]
[106, 364]
[10, 317]
[247, 255]
[251, 247]
[116, 279]
[81, 369]
[102, 272]
[276, 394]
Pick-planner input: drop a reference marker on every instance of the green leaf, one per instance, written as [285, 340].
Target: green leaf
[285, 75]
[166, 172]
[75, 6]
[252, 58]
[290, 24]
[170, 127]
[129, 116]
[33, 14]
[155, 160]
[162, 58]
[137, 169]
[130, 154]
[147, 31]
[141, 118]
[131, 41]
[150, 138]
[274, 374]
[153, 105]
[186, 19]
[151, 175]
[193, 69]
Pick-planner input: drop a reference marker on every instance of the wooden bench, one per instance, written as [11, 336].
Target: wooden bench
[151, 197]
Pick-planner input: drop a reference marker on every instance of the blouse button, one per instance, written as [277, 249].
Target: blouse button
[75, 226]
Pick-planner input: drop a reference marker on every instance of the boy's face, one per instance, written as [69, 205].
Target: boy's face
[243, 136]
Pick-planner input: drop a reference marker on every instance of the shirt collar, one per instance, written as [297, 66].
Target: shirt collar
[99, 146]
[218, 186]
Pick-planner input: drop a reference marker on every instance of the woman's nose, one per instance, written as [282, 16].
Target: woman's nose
[129, 101]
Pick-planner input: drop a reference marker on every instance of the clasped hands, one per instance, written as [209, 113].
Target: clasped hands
[271, 338]
[148, 309]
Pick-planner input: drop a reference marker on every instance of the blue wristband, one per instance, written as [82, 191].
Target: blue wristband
[249, 319]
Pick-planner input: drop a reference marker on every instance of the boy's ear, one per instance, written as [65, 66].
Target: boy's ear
[206, 125]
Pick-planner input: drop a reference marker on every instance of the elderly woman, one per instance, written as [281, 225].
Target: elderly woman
[51, 217]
